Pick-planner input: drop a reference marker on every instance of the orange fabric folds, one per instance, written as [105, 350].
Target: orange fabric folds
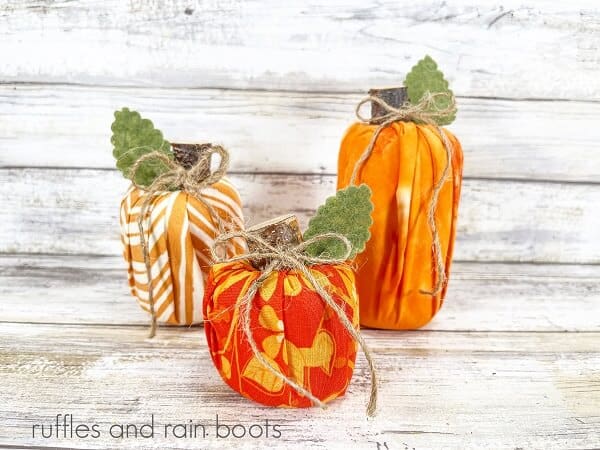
[296, 332]
[406, 163]
[180, 235]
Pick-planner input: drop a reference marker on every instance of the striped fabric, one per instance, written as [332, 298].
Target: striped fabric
[180, 236]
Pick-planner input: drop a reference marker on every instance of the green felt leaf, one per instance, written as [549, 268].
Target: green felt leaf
[425, 77]
[132, 137]
[347, 213]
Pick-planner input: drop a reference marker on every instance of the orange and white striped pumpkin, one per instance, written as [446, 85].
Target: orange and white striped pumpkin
[180, 234]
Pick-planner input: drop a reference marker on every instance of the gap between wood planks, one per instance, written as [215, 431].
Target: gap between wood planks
[327, 174]
[454, 260]
[201, 327]
[226, 89]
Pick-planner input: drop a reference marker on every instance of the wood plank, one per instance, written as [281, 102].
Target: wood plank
[75, 211]
[110, 375]
[481, 297]
[69, 126]
[344, 45]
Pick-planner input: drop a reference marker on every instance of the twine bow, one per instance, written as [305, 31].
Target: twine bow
[176, 177]
[426, 111]
[294, 257]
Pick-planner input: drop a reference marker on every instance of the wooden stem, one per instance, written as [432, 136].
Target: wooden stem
[283, 231]
[394, 96]
[187, 155]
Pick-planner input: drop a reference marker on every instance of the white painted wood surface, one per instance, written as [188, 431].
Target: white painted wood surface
[76, 211]
[481, 297]
[438, 389]
[508, 48]
[289, 132]
[512, 359]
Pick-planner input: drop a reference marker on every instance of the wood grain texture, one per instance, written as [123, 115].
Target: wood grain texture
[75, 211]
[512, 360]
[437, 389]
[69, 126]
[318, 45]
[481, 297]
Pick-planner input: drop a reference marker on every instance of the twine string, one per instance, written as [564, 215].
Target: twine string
[192, 181]
[294, 257]
[425, 111]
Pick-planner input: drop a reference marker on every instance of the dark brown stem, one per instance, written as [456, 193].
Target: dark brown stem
[187, 155]
[395, 97]
[283, 231]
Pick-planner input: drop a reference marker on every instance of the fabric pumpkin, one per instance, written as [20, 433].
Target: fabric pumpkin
[407, 161]
[297, 333]
[181, 234]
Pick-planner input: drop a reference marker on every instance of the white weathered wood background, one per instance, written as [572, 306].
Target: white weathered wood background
[513, 358]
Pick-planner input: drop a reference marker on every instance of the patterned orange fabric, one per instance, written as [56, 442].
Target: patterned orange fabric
[298, 334]
[406, 163]
[182, 232]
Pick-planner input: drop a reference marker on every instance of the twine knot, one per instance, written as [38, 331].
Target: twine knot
[282, 256]
[176, 177]
[294, 257]
[425, 111]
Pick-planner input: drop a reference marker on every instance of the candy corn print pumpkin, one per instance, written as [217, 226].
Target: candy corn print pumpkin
[281, 321]
[414, 168]
[181, 206]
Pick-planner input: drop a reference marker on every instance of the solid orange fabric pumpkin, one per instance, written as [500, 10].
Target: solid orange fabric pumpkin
[407, 161]
[296, 332]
